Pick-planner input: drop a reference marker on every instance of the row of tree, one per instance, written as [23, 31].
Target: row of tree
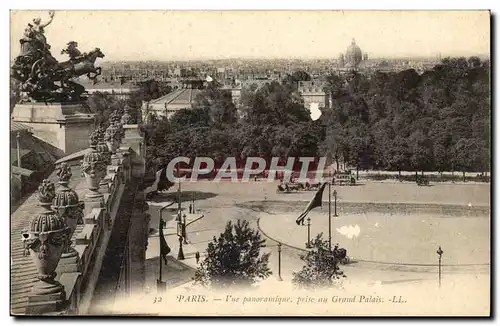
[437, 121]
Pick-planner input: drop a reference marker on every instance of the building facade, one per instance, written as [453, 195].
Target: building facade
[312, 92]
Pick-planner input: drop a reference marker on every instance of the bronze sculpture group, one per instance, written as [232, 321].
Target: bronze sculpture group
[42, 77]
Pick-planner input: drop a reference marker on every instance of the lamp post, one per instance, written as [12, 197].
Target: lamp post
[335, 198]
[279, 262]
[308, 243]
[193, 203]
[180, 254]
[184, 231]
[179, 207]
[440, 253]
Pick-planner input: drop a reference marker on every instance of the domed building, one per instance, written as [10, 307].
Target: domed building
[353, 55]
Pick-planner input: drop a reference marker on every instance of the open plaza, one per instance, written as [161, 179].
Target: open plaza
[400, 224]
[391, 231]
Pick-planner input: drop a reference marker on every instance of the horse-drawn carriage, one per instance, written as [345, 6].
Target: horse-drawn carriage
[343, 178]
[289, 187]
[341, 255]
[422, 181]
[299, 186]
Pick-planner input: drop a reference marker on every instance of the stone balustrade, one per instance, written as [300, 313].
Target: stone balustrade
[101, 212]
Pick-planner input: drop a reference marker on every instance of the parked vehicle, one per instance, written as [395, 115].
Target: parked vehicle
[343, 178]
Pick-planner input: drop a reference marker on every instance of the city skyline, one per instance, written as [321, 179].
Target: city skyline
[215, 35]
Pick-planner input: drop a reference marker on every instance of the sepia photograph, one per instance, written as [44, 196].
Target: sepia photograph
[250, 163]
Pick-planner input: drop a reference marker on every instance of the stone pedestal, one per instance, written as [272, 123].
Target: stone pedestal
[66, 126]
[93, 200]
[115, 159]
[43, 304]
[69, 262]
[135, 140]
[46, 297]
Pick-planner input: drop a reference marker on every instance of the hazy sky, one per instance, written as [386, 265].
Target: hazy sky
[166, 35]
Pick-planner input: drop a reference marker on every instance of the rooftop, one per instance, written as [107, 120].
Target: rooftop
[18, 127]
[101, 84]
[180, 96]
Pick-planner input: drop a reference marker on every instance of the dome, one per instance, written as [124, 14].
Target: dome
[353, 55]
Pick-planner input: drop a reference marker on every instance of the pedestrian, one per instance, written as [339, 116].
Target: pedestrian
[197, 256]
[190, 208]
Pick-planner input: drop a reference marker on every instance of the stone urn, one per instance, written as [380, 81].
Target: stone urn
[112, 138]
[127, 118]
[67, 204]
[102, 147]
[44, 241]
[93, 169]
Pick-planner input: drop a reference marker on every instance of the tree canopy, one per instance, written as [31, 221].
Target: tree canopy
[438, 120]
[321, 267]
[234, 258]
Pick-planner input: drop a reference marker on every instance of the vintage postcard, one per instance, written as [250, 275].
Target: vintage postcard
[250, 163]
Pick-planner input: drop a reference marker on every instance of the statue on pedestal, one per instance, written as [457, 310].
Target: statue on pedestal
[42, 77]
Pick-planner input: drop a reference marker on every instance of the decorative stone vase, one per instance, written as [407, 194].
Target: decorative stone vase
[103, 149]
[44, 242]
[93, 169]
[101, 146]
[67, 204]
[112, 146]
[127, 118]
[112, 137]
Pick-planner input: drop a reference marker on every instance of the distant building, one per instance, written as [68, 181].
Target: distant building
[235, 93]
[169, 104]
[353, 55]
[117, 87]
[341, 60]
[312, 92]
